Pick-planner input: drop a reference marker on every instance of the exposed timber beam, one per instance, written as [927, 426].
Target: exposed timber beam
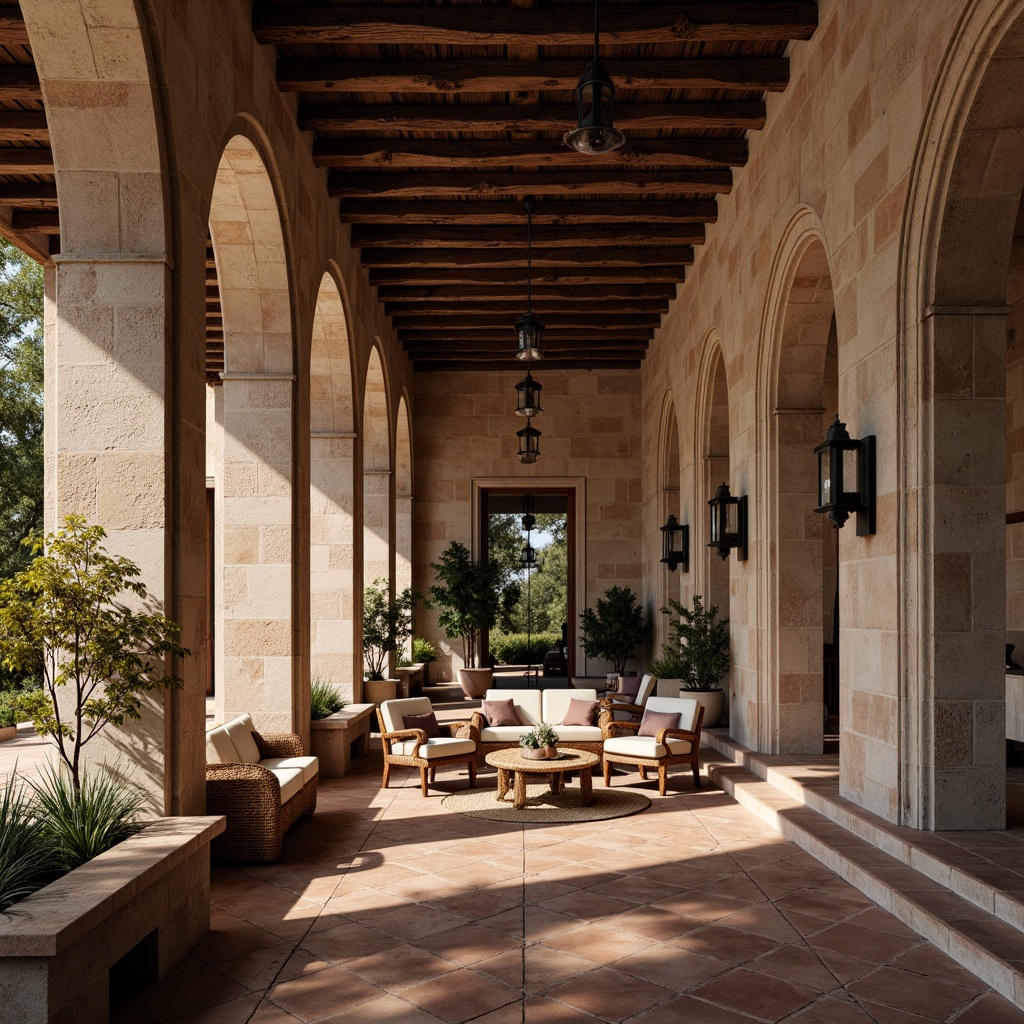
[449, 77]
[527, 119]
[432, 276]
[590, 318]
[493, 153]
[604, 182]
[43, 222]
[23, 125]
[509, 211]
[587, 236]
[512, 308]
[19, 82]
[551, 26]
[446, 294]
[635, 256]
[450, 365]
[26, 161]
[12, 27]
[36, 194]
[496, 336]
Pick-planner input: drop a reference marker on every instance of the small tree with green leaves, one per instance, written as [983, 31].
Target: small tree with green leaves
[697, 653]
[387, 623]
[615, 629]
[61, 619]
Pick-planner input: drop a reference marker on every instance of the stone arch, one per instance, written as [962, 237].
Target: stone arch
[254, 438]
[963, 197]
[797, 324]
[403, 494]
[669, 503]
[109, 441]
[332, 490]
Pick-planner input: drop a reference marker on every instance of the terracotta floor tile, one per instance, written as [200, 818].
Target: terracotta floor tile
[797, 964]
[655, 923]
[635, 890]
[756, 994]
[727, 944]
[912, 992]
[259, 969]
[860, 942]
[506, 967]
[201, 989]
[991, 1009]
[467, 943]
[346, 941]
[687, 1010]
[670, 967]
[882, 1014]
[826, 906]
[461, 996]
[321, 994]
[386, 1009]
[843, 967]
[544, 968]
[399, 967]
[609, 994]
[600, 944]
[269, 1013]
[587, 905]
[411, 922]
[237, 1011]
[541, 923]
[539, 1010]
[933, 963]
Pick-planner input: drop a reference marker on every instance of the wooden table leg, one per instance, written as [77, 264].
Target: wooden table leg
[586, 789]
[556, 783]
[519, 791]
[502, 783]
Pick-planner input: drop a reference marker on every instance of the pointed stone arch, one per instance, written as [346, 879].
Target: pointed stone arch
[332, 443]
[669, 503]
[403, 495]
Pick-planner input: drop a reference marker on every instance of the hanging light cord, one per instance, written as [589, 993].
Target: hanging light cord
[596, 34]
[529, 253]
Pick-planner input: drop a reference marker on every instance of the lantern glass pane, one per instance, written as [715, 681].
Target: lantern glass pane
[850, 470]
[716, 524]
[732, 518]
[824, 479]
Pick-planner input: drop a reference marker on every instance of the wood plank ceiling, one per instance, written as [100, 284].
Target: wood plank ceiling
[435, 122]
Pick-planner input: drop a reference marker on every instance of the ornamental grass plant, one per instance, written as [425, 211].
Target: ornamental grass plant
[324, 699]
[26, 860]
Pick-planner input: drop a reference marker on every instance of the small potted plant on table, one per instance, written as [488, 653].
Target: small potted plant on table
[387, 623]
[539, 744]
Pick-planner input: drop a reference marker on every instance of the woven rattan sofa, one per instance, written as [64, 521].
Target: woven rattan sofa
[534, 707]
[261, 784]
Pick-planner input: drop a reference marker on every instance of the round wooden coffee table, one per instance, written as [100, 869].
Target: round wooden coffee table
[514, 769]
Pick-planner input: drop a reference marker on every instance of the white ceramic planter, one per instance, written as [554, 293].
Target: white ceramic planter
[713, 702]
[376, 691]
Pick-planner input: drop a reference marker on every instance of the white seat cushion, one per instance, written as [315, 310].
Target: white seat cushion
[556, 704]
[502, 733]
[219, 748]
[309, 766]
[240, 730]
[578, 734]
[443, 747]
[645, 746]
[291, 782]
[392, 711]
[527, 703]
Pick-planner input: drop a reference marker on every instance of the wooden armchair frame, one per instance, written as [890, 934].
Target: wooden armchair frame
[427, 766]
[692, 757]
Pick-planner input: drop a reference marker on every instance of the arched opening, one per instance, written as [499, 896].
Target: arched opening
[332, 494]
[376, 475]
[252, 448]
[670, 584]
[715, 463]
[403, 499]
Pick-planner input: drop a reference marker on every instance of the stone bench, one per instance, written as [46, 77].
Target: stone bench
[340, 737]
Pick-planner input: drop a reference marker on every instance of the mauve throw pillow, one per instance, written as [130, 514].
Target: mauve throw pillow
[581, 712]
[501, 712]
[427, 722]
[629, 685]
[654, 721]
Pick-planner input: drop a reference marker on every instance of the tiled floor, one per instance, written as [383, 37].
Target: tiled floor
[386, 908]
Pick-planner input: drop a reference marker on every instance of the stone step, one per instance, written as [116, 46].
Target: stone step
[989, 947]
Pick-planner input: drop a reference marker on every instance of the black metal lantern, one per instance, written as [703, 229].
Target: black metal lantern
[528, 396]
[528, 556]
[673, 556]
[846, 478]
[529, 444]
[728, 523]
[595, 132]
[528, 326]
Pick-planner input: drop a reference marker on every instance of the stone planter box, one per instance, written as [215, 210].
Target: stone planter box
[411, 680]
[340, 737]
[85, 946]
[8, 732]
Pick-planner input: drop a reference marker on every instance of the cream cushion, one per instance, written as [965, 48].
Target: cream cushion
[527, 703]
[392, 711]
[309, 766]
[219, 748]
[645, 746]
[290, 780]
[567, 734]
[502, 733]
[435, 747]
[556, 704]
[685, 707]
[240, 730]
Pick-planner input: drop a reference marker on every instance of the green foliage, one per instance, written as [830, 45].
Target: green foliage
[543, 735]
[25, 858]
[12, 709]
[521, 648]
[60, 619]
[21, 405]
[423, 651]
[324, 699]
[82, 818]
[387, 623]
[549, 583]
[698, 651]
[469, 596]
[616, 629]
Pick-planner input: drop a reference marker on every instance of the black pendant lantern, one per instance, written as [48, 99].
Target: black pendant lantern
[529, 444]
[528, 556]
[528, 326]
[595, 132]
[728, 523]
[846, 478]
[528, 396]
[675, 556]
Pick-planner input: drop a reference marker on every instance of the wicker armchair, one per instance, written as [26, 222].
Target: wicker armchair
[630, 709]
[412, 748]
[249, 794]
[669, 747]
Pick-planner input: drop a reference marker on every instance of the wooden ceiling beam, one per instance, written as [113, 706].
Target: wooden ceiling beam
[43, 222]
[614, 256]
[590, 318]
[442, 365]
[525, 119]
[28, 194]
[484, 237]
[445, 294]
[432, 276]
[19, 82]
[506, 340]
[22, 125]
[476, 154]
[508, 211]
[12, 27]
[511, 309]
[450, 77]
[38, 160]
[407, 184]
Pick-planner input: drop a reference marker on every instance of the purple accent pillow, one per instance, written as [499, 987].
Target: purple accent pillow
[581, 712]
[629, 685]
[654, 721]
[427, 722]
[501, 712]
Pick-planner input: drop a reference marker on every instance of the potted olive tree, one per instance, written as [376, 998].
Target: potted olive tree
[697, 654]
[469, 597]
[615, 628]
[387, 623]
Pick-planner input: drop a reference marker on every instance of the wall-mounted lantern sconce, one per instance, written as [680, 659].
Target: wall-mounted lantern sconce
[846, 478]
[675, 556]
[728, 523]
[529, 444]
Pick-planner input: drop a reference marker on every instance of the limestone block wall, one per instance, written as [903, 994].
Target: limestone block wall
[1015, 452]
[464, 428]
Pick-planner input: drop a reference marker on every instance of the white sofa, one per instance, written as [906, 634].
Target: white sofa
[262, 784]
[534, 707]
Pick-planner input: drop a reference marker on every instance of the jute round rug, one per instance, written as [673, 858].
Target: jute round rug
[543, 806]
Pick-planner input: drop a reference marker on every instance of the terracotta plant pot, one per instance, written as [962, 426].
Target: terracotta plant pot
[538, 753]
[8, 732]
[475, 682]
